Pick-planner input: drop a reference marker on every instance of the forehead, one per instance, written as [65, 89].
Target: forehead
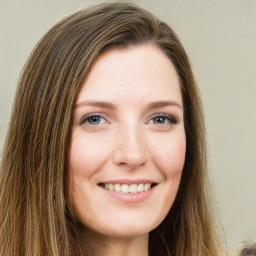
[133, 72]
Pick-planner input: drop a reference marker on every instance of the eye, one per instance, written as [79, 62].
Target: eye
[93, 120]
[163, 119]
[159, 120]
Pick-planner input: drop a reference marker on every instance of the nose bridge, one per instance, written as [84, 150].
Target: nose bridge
[131, 147]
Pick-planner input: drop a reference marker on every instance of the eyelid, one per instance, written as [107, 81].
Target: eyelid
[171, 118]
[85, 117]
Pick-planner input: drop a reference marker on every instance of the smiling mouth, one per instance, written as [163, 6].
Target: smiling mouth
[128, 188]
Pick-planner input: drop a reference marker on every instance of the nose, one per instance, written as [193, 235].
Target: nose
[130, 150]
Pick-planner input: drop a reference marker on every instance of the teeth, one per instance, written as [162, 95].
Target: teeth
[109, 187]
[134, 188]
[124, 188]
[140, 188]
[117, 187]
[146, 187]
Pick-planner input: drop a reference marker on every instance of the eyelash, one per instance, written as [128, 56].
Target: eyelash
[87, 117]
[169, 118]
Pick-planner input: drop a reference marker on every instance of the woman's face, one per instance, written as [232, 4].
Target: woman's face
[128, 142]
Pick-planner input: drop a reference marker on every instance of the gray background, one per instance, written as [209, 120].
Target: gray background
[220, 39]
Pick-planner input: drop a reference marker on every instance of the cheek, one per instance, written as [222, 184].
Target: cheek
[169, 155]
[87, 154]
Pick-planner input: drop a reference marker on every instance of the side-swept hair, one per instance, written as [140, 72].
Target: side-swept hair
[36, 217]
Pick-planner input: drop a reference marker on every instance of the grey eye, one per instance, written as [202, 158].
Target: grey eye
[163, 119]
[93, 120]
[159, 120]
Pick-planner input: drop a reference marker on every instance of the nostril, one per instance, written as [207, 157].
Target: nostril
[130, 154]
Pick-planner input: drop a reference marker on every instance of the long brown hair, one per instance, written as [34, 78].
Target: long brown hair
[35, 214]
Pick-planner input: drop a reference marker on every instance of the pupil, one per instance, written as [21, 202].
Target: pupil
[159, 120]
[94, 119]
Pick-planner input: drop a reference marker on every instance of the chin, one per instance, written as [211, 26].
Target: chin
[126, 227]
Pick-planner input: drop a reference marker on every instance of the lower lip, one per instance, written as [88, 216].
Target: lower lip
[130, 197]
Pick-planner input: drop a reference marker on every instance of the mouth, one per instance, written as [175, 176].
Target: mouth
[128, 188]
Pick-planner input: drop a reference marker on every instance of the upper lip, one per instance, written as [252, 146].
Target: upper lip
[129, 181]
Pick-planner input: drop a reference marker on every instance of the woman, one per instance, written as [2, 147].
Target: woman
[105, 153]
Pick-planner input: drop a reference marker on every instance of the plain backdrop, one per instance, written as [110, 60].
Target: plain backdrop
[220, 39]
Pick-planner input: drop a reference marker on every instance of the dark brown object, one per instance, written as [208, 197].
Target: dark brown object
[248, 251]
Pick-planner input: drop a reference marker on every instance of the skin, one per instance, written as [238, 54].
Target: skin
[128, 142]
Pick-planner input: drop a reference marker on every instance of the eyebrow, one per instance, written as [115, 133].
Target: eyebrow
[163, 103]
[102, 104]
[108, 105]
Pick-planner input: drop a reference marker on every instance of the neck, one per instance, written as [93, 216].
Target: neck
[127, 246]
[98, 245]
